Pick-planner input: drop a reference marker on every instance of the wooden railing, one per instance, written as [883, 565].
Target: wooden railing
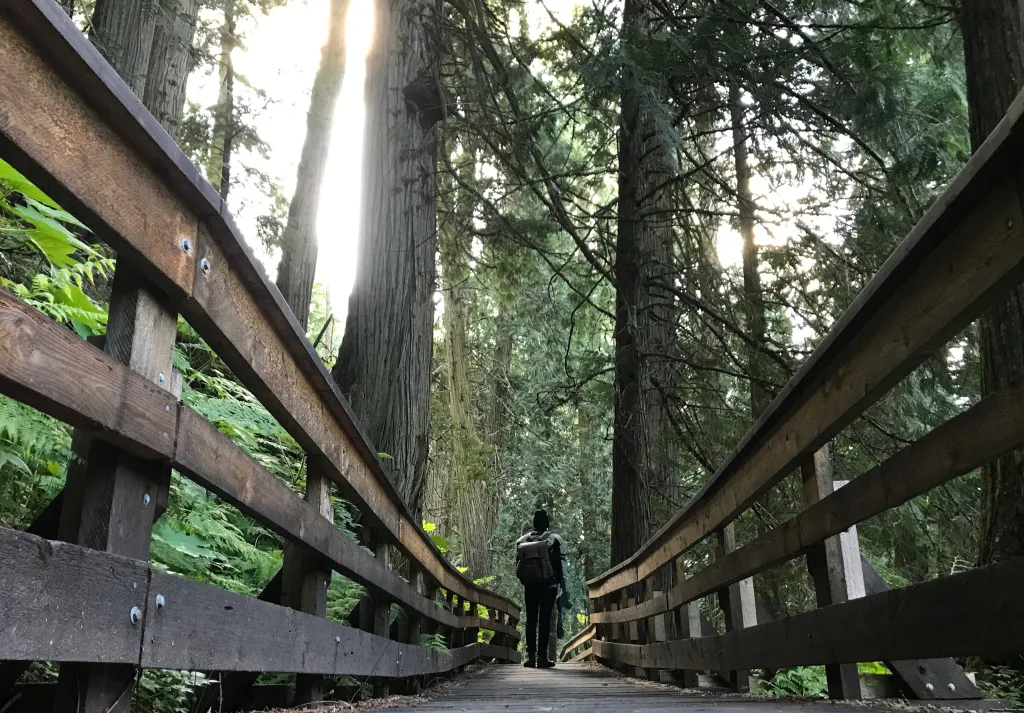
[89, 600]
[578, 647]
[962, 257]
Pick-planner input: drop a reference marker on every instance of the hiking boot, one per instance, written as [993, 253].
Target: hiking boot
[530, 663]
[544, 663]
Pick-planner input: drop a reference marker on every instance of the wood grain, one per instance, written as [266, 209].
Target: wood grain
[967, 614]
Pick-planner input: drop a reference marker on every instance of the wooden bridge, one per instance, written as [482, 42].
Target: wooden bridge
[76, 588]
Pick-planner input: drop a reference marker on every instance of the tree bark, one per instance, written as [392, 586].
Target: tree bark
[384, 361]
[122, 31]
[644, 232]
[470, 480]
[299, 243]
[993, 34]
[170, 61]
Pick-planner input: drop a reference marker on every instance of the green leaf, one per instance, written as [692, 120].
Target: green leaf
[8, 457]
[24, 186]
[56, 213]
[385, 456]
[429, 526]
[191, 545]
[441, 542]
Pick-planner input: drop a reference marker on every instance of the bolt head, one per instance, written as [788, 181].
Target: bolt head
[205, 265]
[951, 687]
[160, 601]
[135, 615]
[161, 377]
[145, 499]
[337, 639]
[186, 245]
[929, 687]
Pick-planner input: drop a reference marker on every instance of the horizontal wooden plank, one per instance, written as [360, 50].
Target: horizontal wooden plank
[238, 310]
[582, 655]
[60, 602]
[84, 165]
[202, 627]
[988, 429]
[209, 458]
[54, 370]
[975, 613]
[581, 638]
[966, 253]
[51, 369]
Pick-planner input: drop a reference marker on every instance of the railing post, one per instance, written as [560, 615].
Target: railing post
[415, 623]
[827, 568]
[305, 581]
[381, 618]
[737, 601]
[114, 503]
[686, 622]
[644, 632]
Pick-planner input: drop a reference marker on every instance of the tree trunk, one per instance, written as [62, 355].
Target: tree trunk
[384, 361]
[993, 34]
[644, 231]
[219, 169]
[469, 477]
[170, 61]
[299, 243]
[753, 303]
[122, 31]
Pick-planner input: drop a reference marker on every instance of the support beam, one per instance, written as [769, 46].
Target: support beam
[737, 601]
[111, 502]
[828, 568]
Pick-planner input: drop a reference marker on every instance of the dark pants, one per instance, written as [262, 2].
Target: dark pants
[539, 603]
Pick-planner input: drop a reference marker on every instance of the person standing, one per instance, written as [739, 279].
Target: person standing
[539, 567]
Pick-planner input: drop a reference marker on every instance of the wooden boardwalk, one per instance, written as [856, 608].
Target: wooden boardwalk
[589, 688]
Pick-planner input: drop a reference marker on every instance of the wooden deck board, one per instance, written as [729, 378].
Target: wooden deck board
[591, 688]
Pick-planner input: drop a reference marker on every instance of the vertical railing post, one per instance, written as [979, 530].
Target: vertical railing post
[112, 506]
[381, 617]
[415, 630]
[305, 580]
[684, 623]
[737, 601]
[827, 568]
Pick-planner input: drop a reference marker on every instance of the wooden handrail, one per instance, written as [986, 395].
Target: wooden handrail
[581, 638]
[100, 154]
[960, 257]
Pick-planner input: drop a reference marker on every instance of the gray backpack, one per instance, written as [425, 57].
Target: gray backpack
[534, 563]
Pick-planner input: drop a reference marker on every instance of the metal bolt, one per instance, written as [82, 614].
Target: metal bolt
[929, 687]
[186, 245]
[160, 601]
[161, 377]
[167, 407]
[337, 639]
[205, 264]
[951, 687]
[135, 614]
[145, 499]
[1009, 223]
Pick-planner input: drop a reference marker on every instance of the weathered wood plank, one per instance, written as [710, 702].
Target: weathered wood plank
[963, 254]
[991, 427]
[61, 602]
[53, 370]
[85, 165]
[582, 655]
[579, 640]
[967, 614]
[827, 567]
